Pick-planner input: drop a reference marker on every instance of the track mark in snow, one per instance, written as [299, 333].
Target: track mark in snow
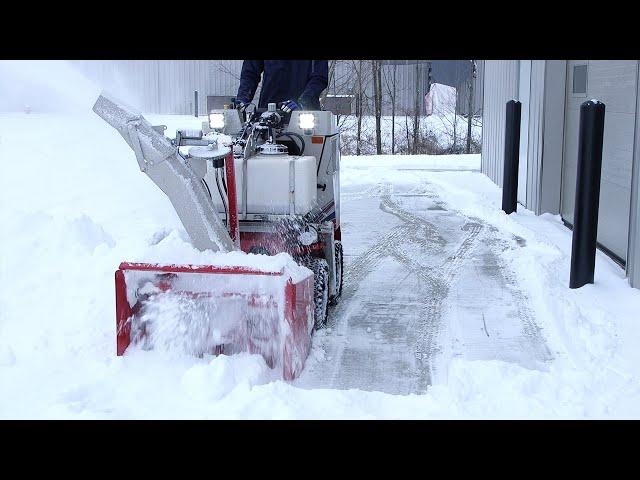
[431, 320]
[484, 323]
[392, 330]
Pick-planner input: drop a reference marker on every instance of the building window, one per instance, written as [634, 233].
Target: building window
[580, 80]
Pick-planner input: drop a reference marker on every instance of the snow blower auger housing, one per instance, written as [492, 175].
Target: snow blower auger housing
[263, 182]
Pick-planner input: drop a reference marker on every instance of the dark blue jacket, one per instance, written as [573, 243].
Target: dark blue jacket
[299, 80]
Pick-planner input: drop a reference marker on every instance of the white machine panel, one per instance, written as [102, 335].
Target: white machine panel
[268, 185]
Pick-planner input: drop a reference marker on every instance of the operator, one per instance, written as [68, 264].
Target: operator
[296, 84]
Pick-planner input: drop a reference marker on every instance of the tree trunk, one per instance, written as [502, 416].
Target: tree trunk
[376, 69]
[406, 129]
[331, 79]
[416, 113]
[393, 112]
[470, 111]
[390, 83]
[455, 125]
[359, 106]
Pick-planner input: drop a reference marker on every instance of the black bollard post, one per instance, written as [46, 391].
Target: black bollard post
[585, 213]
[195, 102]
[511, 157]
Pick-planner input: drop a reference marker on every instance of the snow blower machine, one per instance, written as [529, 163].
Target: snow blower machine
[264, 182]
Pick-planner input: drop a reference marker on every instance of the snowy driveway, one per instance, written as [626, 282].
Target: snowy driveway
[423, 284]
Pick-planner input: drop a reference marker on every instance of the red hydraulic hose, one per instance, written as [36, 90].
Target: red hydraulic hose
[234, 225]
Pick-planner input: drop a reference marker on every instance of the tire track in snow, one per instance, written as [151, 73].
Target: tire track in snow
[437, 281]
[414, 229]
[430, 322]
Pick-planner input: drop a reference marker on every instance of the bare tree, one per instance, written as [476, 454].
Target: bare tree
[331, 81]
[416, 111]
[224, 68]
[359, 109]
[470, 109]
[376, 70]
[362, 100]
[406, 129]
[391, 84]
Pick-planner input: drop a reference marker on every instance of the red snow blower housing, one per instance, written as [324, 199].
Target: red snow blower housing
[243, 192]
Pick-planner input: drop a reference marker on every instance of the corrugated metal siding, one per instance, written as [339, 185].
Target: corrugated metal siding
[500, 86]
[535, 145]
[224, 77]
[479, 87]
[178, 79]
[167, 86]
[633, 263]
[155, 86]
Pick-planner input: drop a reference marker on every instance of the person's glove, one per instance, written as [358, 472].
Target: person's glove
[289, 106]
[239, 103]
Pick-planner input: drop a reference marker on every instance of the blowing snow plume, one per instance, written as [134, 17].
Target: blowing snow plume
[44, 86]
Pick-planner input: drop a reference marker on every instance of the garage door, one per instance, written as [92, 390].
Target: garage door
[615, 84]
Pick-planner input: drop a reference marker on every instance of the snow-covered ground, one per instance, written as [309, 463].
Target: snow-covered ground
[451, 309]
[438, 133]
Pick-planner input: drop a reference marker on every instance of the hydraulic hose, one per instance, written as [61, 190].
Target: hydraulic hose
[297, 135]
[223, 197]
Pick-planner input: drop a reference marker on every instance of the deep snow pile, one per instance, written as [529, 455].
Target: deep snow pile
[73, 204]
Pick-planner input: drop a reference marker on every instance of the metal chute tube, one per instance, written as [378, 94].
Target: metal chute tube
[163, 164]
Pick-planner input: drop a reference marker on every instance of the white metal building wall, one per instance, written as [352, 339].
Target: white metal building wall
[542, 129]
[163, 86]
[167, 86]
[548, 133]
[614, 82]
[535, 144]
[224, 77]
[633, 260]
[500, 86]
[135, 82]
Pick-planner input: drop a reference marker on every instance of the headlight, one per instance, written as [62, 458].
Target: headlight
[216, 120]
[307, 121]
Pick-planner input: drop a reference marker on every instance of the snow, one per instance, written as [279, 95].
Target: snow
[409, 162]
[441, 132]
[73, 205]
